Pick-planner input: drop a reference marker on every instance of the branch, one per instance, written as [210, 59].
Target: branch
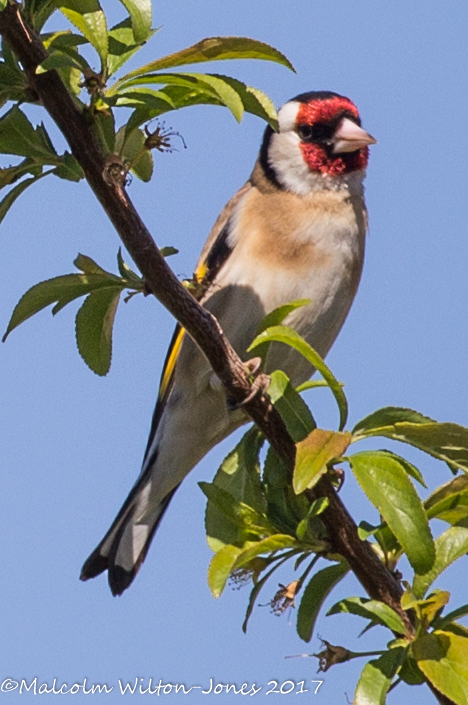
[74, 123]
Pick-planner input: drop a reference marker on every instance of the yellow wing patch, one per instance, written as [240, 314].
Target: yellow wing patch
[171, 360]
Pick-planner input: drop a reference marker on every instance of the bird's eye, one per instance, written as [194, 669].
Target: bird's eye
[305, 132]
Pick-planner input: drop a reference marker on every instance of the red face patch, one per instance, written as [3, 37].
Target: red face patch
[316, 156]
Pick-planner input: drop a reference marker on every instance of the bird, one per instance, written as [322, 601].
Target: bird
[295, 230]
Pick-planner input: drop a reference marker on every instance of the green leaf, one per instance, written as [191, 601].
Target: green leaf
[411, 469]
[69, 169]
[430, 609]
[133, 151]
[214, 49]
[126, 273]
[313, 454]
[283, 334]
[59, 290]
[3, 4]
[410, 672]
[238, 513]
[449, 502]
[388, 416]
[140, 13]
[376, 678]
[14, 193]
[39, 11]
[317, 590]
[122, 45]
[10, 174]
[293, 409]
[268, 545]
[443, 658]
[168, 251]
[94, 324]
[220, 568]
[57, 60]
[283, 506]
[385, 482]
[208, 83]
[256, 591]
[370, 609]
[277, 316]
[88, 17]
[450, 546]
[18, 136]
[239, 475]
[442, 622]
[445, 441]
[88, 265]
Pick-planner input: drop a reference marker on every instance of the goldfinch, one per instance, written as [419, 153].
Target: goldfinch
[295, 230]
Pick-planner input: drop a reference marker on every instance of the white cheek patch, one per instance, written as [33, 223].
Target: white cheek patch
[286, 158]
[287, 116]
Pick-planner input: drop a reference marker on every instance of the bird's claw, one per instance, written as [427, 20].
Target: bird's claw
[259, 385]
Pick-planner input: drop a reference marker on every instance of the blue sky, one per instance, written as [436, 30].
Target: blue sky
[72, 442]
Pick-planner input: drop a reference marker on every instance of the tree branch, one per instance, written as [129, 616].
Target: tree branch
[75, 125]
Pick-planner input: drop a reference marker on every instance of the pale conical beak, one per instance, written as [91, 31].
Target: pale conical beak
[349, 137]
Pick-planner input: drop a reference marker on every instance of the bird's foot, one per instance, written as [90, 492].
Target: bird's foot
[259, 385]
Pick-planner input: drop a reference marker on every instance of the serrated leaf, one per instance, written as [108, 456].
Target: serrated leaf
[69, 169]
[214, 49]
[62, 39]
[283, 334]
[220, 568]
[315, 593]
[238, 513]
[39, 12]
[387, 486]
[411, 469]
[57, 60]
[313, 454]
[59, 290]
[430, 608]
[140, 12]
[449, 502]
[370, 609]
[445, 441]
[94, 324]
[450, 546]
[88, 265]
[90, 20]
[387, 416]
[213, 84]
[10, 174]
[293, 409]
[15, 192]
[376, 678]
[270, 544]
[443, 658]
[122, 45]
[18, 136]
[239, 475]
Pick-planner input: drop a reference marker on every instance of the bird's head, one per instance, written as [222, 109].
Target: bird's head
[320, 137]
